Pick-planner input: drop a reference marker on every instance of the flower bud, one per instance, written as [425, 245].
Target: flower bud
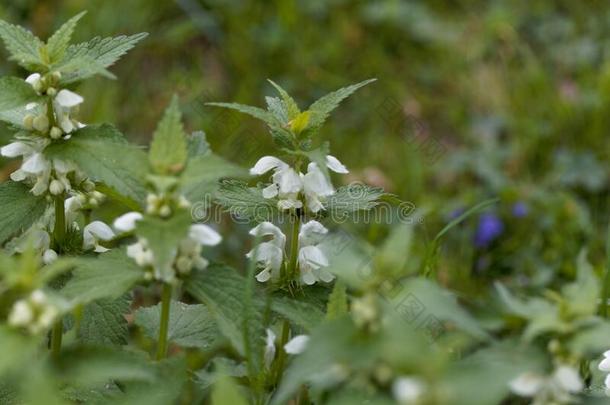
[21, 314]
[56, 187]
[55, 133]
[183, 264]
[56, 77]
[165, 211]
[51, 91]
[88, 186]
[28, 122]
[38, 86]
[41, 123]
[49, 256]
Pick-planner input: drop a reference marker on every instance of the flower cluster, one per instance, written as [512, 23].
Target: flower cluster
[36, 313]
[288, 184]
[189, 250]
[558, 387]
[312, 260]
[46, 122]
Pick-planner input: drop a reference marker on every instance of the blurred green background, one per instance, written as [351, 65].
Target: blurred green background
[474, 99]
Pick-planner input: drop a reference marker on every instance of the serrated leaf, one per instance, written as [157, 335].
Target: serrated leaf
[15, 93]
[189, 325]
[245, 202]
[221, 289]
[25, 209]
[352, 198]
[255, 112]
[104, 155]
[321, 109]
[290, 105]
[163, 237]
[103, 321]
[109, 275]
[302, 313]
[21, 44]
[59, 41]
[200, 179]
[100, 52]
[337, 301]
[582, 295]
[168, 150]
[276, 107]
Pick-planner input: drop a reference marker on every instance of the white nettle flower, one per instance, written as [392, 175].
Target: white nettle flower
[64, 102]
[297, 344]
[312, 260]
[269, 348]
[189, 250]
[127, 222]
[95, 232]
[36, 313]
[559, 386]
[408, 390]
[287, 183]
[604, 366]
[141, 253]
[270, 254]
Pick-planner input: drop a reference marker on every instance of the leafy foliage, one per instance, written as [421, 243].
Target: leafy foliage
[25, 209]
[103, 321]
[168, 150]
[15, 93]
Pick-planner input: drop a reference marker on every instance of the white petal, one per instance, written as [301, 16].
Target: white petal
[96, 230]
[313, 203]
[607, 353]
[316, 183]
[67, 98]
[35, 164]
[269, 348]
[313, 257]
[307, 277]
[289, 203]
[568, 378]
[127, 222]
[63, 167]
[325, 275]
[604, 365]
[289, 182]
[297, 344]
[268, 229]
[527, 384]
[407, 389]
[18, 175]
[33, 78]
[607, 382]
[263, 276]
[270, 191]
[66, 124]
[204, 235]
[15, 149]
[334, 165]
[265, 164]
[269, 254]
[311, 232]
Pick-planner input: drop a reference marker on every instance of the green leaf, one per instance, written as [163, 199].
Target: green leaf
[15, 93]
[221, 288]
[103, 321]
[197, 144]
[337, 302]
[302, 313]
[189, 325]
[582, 295]
[245, 202]
[276, 107]
[226, 391]
[201, 177]
[163, 238]
[352, 198]
[104, 155]
[291, 106]
[25, 209]
[59, 41]
[321, 109]
[168, 150]
[109, 275]
[22, 45]
[255, 112]
[591, 341]
[99, 52]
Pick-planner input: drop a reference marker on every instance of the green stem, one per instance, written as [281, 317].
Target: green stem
[166, 296]
[281, 358]
[56, 335]
[59, 231]
[294, 247]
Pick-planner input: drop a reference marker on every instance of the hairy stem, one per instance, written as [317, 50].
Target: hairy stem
[166, 296]
[59, 230]
[281, 358]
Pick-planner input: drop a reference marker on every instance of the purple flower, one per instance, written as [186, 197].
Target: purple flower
[520, 209]
[488, 229]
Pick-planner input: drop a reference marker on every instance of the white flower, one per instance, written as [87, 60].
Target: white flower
[408, 390]
[141, 254]
[297, 344]
[204, 235]
[127, 222]
[316, 186]
[286, 181]
[312, 260]
[21, 314]
[334, 165]
[557, 387]
[16, 149]
[49, 256]
[36, 313]
[268, 255]
[93, 233]
[71, 207]
[63, 103]
[269, 348]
